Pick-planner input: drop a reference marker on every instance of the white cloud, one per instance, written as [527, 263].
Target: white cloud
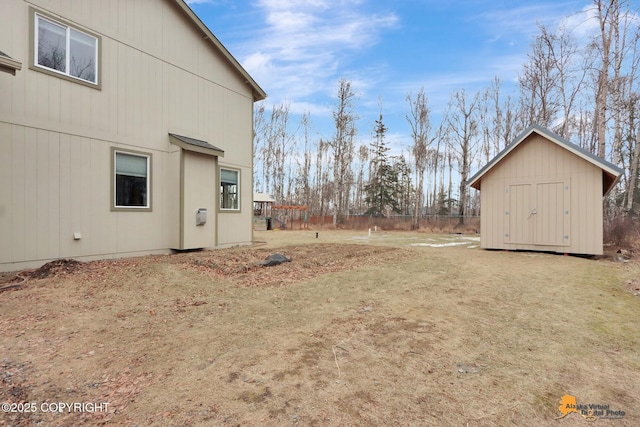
[513, 23]
[288, 22]
[307, 107]
[305, 42]
[289, 4]
[259, 63]
[582, 24]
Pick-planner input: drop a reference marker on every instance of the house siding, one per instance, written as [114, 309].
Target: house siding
[198, 172]
[231, 225]
[158, 75]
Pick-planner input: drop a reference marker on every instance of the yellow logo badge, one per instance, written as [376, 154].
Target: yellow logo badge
[589, 411]
[568, 405]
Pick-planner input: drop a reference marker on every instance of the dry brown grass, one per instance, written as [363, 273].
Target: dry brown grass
[357, 330]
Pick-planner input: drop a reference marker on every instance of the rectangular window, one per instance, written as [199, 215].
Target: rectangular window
[131, 182]
[229, 185]
[64, 50]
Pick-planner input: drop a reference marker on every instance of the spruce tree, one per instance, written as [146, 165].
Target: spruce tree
[383, 177]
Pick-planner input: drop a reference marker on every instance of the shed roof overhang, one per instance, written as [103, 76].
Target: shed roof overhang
[258, 93]
[195, 145]
[263, 198]
[8, 64]
[610, 172]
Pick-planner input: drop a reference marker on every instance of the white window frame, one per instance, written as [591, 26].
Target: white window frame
[233, 209]
[37, 17]
[114, 196]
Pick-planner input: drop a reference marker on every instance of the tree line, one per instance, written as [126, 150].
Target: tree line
[585, 90]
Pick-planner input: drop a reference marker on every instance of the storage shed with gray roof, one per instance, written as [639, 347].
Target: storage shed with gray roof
[544, 193]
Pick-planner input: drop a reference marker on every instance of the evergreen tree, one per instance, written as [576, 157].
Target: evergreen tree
[380, 194]
[444, 205]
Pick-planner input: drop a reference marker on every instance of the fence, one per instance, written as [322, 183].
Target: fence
[471, 224]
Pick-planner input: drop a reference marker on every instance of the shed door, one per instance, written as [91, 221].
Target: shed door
[538, 214]
[549, 227]
[519, 214]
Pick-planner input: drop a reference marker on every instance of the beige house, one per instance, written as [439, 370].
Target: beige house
[544, 193]
[125, 129]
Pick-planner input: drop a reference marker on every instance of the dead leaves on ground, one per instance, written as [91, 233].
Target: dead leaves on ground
[243, 266]
[55, 268]
[112, 392]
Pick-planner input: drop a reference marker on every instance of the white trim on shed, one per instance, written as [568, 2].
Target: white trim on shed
[611, 171]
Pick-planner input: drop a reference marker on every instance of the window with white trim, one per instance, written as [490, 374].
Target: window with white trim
[62, 49]
[229, 189]
[131, 182]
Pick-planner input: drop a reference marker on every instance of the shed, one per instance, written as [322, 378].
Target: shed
[544, 193]
[262, 205]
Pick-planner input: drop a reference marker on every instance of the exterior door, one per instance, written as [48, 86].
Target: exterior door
[549, 227]
[538, 214]
[519, 214]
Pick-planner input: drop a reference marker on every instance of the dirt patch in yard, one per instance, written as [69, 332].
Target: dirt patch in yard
[244, 266]
[371, 331]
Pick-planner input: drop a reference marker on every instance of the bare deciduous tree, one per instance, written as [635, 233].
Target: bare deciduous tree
[363, 160]
[419, 121]
[344, 118]
[259, 163]
[538, 84]
[303, 175]
[462, 126]
[607, 14]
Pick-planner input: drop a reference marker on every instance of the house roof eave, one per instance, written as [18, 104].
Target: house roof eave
[8, 64]
[195, 145]
[258, 93]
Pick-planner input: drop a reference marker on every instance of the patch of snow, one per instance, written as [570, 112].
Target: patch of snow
[439, 245]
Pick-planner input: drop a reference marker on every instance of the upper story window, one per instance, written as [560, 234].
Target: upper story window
[61, 49]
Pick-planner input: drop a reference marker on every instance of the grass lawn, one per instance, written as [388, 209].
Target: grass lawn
[391, 329]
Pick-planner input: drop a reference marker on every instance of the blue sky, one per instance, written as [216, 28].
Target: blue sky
[297, 50]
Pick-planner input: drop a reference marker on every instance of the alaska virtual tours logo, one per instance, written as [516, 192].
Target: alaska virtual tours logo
[590, 411]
